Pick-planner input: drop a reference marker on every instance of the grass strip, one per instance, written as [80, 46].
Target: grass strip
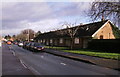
[115, 56]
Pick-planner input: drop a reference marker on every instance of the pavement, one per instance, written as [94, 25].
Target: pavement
[109, 63]
[11, 65]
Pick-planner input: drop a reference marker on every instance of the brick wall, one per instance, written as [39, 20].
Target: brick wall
[105, 33]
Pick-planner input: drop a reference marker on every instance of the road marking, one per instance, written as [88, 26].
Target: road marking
[34, 71]
[63, 64]
[93, 65]
[23, 63]
[42, 56]
[13, 53]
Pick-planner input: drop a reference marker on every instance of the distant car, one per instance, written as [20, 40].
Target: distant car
[20, 44]
[15, 42]
[9, 42]
[37, 47]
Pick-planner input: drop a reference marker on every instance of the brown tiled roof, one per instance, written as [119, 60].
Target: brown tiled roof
[83, 31]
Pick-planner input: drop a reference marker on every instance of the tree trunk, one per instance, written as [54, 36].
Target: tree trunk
[72, 42]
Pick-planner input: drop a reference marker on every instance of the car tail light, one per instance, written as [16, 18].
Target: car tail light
[39, 48]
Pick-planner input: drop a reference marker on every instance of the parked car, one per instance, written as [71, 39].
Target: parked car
[31, 46]
[37, 47]
[25, 44]
[28, 46]
[20, 44]
[9, 42]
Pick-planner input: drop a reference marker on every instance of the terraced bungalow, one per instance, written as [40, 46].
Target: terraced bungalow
[86, 32]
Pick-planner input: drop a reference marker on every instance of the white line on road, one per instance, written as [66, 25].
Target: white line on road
[13, 53]
[42, 56]
[23, 63]
[34, 71]
[63, 63]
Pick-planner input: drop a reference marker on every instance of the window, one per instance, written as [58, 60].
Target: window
[101, 36]
[43, 40]
[51, 41]
[40, 41]
[76, 40]
[61, 40]
[47, 42]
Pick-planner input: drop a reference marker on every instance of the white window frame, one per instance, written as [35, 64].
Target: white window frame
[61, 40]
[43, 40]
[51, 40]
[76, 40]
[47, 42]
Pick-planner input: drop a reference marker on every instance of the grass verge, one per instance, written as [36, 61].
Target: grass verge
[115, 56]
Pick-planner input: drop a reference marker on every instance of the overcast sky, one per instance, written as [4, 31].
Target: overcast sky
[41, 16]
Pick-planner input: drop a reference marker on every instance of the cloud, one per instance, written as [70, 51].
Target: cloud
[45, 25]
[43, 16]
[23, 11]
[15, 14]
[70, 8]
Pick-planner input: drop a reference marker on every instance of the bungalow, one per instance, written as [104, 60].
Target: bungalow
[96, 30]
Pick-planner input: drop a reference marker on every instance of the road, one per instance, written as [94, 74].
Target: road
[46, 64]
[0, 61]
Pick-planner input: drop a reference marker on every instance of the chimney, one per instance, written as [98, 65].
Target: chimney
[81, 24]
[102, 18]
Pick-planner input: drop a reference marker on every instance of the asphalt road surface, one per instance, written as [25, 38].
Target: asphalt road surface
[0, 61]
[46, 64]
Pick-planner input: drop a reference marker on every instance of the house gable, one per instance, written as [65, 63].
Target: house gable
[105, 32]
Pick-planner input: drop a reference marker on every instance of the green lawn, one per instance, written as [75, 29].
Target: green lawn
[98, 54]
[59, 48]
[90, 53]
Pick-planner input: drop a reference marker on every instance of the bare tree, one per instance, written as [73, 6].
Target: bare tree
[70, 30]
[21, 37]
[29, 33]
[26, 34]
[105, 9]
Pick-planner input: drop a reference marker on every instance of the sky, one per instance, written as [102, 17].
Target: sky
[41, 16]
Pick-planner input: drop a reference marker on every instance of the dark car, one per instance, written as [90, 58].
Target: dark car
[15, 43]
[31, 46]
[37, 47]
[25, 44]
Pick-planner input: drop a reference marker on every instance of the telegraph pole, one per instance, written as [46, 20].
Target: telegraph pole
[28, 35]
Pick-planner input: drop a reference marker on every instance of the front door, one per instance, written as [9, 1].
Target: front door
[85, 43]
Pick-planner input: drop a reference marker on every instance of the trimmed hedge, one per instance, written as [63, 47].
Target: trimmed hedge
[106, 45]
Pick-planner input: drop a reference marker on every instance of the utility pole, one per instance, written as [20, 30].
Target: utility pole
[28, 35]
